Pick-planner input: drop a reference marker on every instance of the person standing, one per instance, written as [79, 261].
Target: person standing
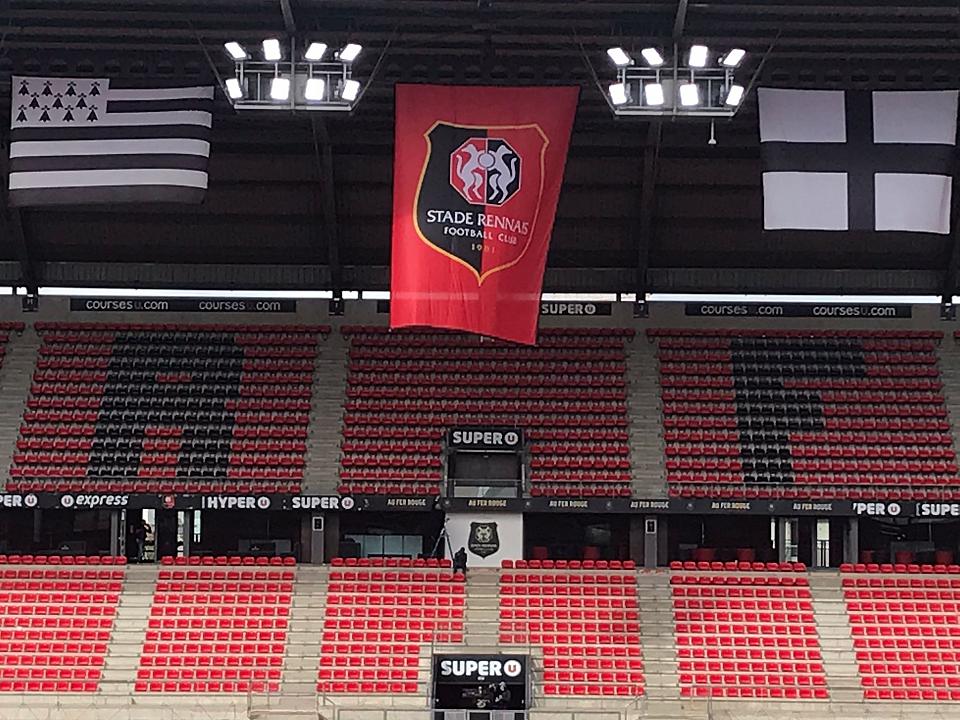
[460, 561]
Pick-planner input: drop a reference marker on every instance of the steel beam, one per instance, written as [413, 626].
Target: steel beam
[323, 153]
[289, 22]
[11, 227]
[680, 19]
[651, 156]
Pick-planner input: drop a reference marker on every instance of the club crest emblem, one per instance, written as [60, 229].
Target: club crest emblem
[485, 171]
[480, 192]
[484, 539]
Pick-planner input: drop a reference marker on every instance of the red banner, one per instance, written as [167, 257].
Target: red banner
[477, 172]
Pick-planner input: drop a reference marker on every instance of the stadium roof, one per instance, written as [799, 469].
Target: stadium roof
[636, 196]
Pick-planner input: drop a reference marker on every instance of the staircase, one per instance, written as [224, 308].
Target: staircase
[482, 623]
[949, 365]
[657, 636]
[643, 411]
[129, 630]
[326, 412]
[302, 656]
[836, 640]
[16, 376]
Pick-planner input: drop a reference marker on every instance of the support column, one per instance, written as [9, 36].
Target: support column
[306, 555]
[781, 539]
[331, 538]
[187, 531]
[115, 525]
[815, 546]
[851, 541]
[663, 540]
[651, 542]
[637, 540]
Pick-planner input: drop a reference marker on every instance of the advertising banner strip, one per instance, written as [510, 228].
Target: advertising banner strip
[497, 439]
[382, 503]
[832, 311]
[191, 305]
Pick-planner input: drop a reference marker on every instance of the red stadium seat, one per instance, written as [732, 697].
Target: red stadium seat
[254, 442]
[405, 389]
[856, 415]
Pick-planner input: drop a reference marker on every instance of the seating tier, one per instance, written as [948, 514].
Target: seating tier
[167, 408]
[404, 389]
[587, 623]
[905, 622]
[378, 618]
[217, 627]
[812, 414]
[56, 616]
[746, 634]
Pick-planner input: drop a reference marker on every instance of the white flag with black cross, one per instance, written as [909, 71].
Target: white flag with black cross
[857, 159]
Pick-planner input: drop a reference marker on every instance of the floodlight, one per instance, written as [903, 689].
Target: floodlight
[618, 94]
[734, 95]
[619, 56]
[350, 52]
[653, 94]
[271, 50]
[235, 50]
[233, 88]
[350, 90]
[697, 56]
[652, 56]
[314, 89]
[689, 95]
[315, 52]
[280, 88]
[733, 58]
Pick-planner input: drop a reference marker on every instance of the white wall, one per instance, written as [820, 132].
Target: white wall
[509, 536]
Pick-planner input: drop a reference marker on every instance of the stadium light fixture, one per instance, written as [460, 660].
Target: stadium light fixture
[293, 75]
[618, 94]
[235, 50]
[271, 50]
[733, 58]
[734, 96]
[652, 57]
[689, 81]
[697, 57]
[689, 94]
[349, 52]
[653, 94]
[315, 52]
[314, 89]
[619, 57]
[234, 91]
[280, 89]
[350, 90]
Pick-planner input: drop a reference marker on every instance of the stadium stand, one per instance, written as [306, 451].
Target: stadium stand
[584, 616]
[56, 616]
[217, 625]
[379, 614]
[746, 630]
[121, 407]
[812, 413]
[405, 388]
[906, 629]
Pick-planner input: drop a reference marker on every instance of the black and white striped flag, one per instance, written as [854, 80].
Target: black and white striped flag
[79, 140]
[857, 159]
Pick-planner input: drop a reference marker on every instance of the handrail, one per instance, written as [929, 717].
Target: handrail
[635, 703]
